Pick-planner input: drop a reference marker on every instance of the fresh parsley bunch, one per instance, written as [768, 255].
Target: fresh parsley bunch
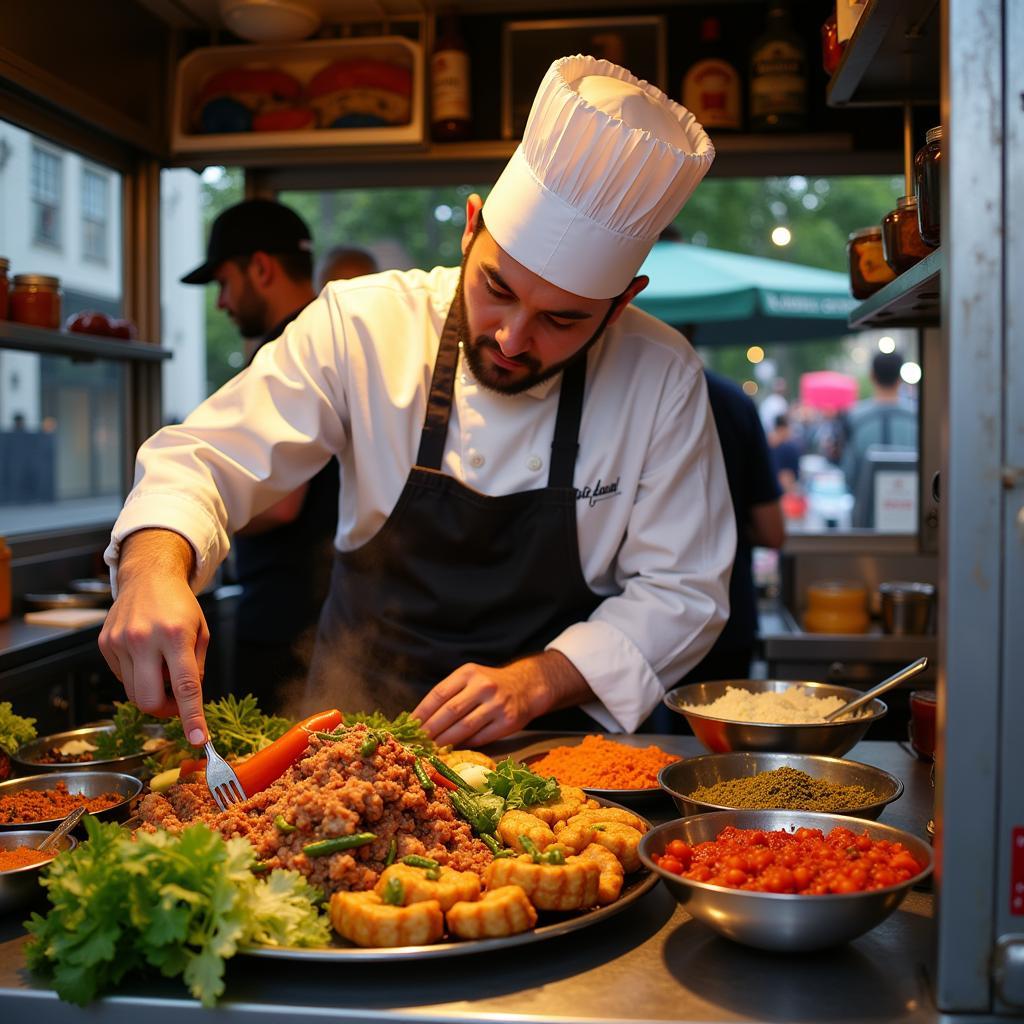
[519, 786]
[237, 727]
[14, 730]
[404, 728]
[180, 903]
[127, 736]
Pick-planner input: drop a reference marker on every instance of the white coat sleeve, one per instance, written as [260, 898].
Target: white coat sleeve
[264, 433]
[673, 567]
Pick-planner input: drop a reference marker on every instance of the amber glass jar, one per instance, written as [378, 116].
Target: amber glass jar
[836, 606]
[35, 300]
[868, 269]
[902, 245]
[927, 181]
[4, 287]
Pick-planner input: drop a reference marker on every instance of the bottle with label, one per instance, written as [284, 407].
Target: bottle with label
[778, 76]
[711, 87]
[450, 111]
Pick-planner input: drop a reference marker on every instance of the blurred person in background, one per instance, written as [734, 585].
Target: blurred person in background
[342, 263]
[774, 404]
[260, 256]
[887, 418]
[785, 454]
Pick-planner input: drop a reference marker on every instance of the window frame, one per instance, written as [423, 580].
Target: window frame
[42, 202]
[100, 223]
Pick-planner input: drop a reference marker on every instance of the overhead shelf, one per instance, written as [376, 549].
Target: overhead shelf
[78, 346]
[912, 300]
[892, 58]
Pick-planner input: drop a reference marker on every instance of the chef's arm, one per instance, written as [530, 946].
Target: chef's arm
[279, 514]
[767, 525]
[155, 631]
[478, 704]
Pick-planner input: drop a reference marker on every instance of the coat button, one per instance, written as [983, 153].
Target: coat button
[534, 462]
[476, 460]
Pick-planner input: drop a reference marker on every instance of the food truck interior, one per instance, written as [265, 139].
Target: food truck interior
[114, 142]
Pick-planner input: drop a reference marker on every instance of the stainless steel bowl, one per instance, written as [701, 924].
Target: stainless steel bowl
[89, 784]
[781, 922]
[19, 887]
[720, 734]
[906, 607]
[26, 761]
[679, 780]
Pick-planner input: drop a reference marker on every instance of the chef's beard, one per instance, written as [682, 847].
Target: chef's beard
[251, 313]
[497, 378]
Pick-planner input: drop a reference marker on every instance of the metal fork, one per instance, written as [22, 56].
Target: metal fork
[221, 779]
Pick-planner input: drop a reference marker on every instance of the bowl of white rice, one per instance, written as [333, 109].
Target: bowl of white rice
[777, 715]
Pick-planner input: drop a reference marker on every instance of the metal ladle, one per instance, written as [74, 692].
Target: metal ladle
[62, 829]
[886, 684]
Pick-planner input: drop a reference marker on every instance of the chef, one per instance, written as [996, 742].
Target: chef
[534, 511]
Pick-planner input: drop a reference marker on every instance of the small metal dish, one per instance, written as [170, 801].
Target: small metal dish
[720, 734]
[44, 602]
[681, 779]
[89, 784]
[19, 887]
[26, 760]
[782, 922]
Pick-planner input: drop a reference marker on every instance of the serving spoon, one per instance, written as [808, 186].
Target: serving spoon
[886, 684]
[62, 829]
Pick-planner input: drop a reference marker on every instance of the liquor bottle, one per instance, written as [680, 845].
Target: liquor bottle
[711, 86]
[450, 113]
[778, 76]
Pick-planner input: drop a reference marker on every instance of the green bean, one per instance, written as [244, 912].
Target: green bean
[283, 826]
[450, 774]
[466, 810]
[414, 860]
[325, 847]
[369, 745]
[421, 773]
[259, 868]
[394, 892]
[491, 843]
[392, 851]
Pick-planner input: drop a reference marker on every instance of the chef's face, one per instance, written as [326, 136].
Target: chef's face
[516, 328]
[238, 296]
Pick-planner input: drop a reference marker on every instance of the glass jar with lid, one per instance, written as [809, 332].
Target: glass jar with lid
[902, 244]
[928, 184]
[868, 269]
[4, 286]
[35, 300]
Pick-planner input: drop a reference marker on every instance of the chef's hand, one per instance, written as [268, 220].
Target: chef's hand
[477, 704]
[155, 630]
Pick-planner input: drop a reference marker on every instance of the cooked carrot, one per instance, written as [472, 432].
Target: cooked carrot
[603, 764]
[269, 764]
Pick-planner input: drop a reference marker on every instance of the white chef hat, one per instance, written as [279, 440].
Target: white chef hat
[606, 163]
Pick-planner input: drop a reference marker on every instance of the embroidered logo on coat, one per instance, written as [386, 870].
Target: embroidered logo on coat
[599, 492]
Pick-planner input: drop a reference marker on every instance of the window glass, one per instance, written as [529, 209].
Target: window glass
[95, 214]
[47, 184]
[61, 421]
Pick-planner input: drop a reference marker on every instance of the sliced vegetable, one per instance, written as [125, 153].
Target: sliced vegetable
[164, 780]
[269, 764]
[325, 847]
[283, 826]
[424, 779]
[474, 775]
[394, 893]
[438, 779]
[392, 852]
[369, 746]
[482, 810]
[495, 847]
[449, 773]
[414, 860]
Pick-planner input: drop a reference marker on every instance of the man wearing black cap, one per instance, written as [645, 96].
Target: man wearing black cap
[261, 256]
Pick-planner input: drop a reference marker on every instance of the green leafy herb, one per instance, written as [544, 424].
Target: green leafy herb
[180, 903]
[14, 730]
[237, 727]
[404, 728]
[483, 811]
[519, 786]
[127, 736]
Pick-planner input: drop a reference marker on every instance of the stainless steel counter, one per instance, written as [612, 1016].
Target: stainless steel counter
[651, 963]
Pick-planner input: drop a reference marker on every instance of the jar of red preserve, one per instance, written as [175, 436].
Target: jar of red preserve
[902, 244]
[4, 286]
[35, 300]
[868, 269]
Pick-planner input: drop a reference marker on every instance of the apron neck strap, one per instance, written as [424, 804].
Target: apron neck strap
[565, 443]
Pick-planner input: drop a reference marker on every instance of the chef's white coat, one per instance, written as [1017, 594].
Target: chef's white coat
[350, 377]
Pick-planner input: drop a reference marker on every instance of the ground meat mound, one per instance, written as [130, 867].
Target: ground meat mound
[334, 791]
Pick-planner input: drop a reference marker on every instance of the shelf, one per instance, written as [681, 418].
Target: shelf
[912, 300]
[892, 58]
[80, 347]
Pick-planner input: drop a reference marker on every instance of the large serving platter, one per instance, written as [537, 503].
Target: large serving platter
[632, 798]
[550, 926]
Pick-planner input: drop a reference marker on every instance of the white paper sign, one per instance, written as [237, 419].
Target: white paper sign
[896, 501]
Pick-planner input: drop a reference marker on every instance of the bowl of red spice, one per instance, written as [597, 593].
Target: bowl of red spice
[21, 863]
[787, 881]
[43, 801]
[623, 769]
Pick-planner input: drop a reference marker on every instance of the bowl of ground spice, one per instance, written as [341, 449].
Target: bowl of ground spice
[773, 715]
[43, 801]
[748, 780]
[622, 769]
[21, 864]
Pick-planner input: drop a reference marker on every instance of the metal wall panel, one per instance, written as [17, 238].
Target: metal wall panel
[972, 499]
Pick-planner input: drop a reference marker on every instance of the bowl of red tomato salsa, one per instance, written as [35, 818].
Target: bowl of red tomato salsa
[786, 880]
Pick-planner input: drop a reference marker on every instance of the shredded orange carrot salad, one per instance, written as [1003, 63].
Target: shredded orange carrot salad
[603, 764]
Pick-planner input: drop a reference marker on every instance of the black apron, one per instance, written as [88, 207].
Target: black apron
[454, 576]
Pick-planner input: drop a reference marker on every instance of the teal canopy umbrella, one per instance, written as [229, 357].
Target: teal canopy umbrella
[734, 299]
